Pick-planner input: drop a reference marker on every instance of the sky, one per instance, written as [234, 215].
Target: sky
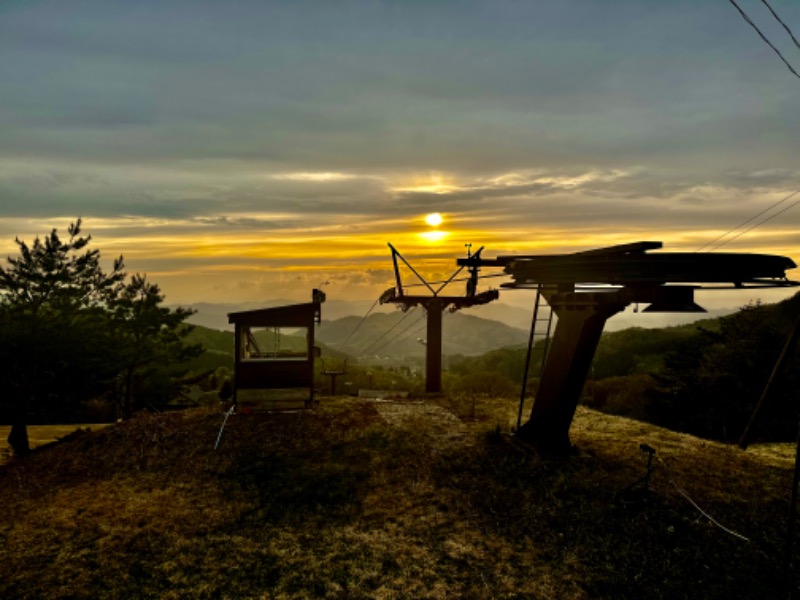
[243, 151]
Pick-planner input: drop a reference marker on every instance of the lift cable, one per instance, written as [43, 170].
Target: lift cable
[769, 218]
[364, 318]
[385, 333]
[451, 278]
[397, 339]
[412, 333]
[419, 329]
[717, 243]
[713, 244]
[410, 285]
[785, 26]
[764, 37]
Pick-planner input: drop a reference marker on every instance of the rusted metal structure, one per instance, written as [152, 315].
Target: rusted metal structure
[434, 304]
[333, 374]
[264, 361]
[585, 289]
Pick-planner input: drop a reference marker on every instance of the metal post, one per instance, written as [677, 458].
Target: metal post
[744, 441]
[577, 334]
[433, 354]
[528, 356]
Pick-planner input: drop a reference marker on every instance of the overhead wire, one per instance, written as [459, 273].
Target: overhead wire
[764, 37]
[712, 245]
[396, 339]
[721, 241]
[364, 318]
[785, 26]
[769, 218]
[385, 333]
[412, 333]
[410, 285]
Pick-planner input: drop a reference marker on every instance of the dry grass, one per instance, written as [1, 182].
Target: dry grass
[359, 500]
[40, 435]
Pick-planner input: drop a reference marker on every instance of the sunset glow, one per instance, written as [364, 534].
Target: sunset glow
[430, 184]
[433, 236]
[238, 156]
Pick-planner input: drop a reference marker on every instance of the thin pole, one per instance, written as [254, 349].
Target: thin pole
[787, 564]
[396, 270]
[528, 356]
[744, 441]
[395, 253]
[433, 349]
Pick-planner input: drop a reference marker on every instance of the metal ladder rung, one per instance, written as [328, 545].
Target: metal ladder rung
[544, 350]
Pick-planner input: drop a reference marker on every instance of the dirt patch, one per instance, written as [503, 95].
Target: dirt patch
[443, 428]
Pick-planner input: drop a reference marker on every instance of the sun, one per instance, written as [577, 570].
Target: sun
[434, 219]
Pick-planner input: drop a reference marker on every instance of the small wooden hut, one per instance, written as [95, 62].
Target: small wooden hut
[274, 354]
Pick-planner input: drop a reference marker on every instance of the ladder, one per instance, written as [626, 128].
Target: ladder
[541, 326]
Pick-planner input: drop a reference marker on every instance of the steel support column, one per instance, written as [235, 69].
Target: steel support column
[433, 353]
[581, 319]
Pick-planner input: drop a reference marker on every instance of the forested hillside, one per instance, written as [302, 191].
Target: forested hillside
[638, 350]
[113, 349]
[704, 378]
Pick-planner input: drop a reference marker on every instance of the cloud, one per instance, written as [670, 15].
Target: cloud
[349, 88]
[204, 136]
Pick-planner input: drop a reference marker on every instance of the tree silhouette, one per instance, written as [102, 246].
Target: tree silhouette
[710, 386]
[69, 332]
[150, 337]
[52, 303]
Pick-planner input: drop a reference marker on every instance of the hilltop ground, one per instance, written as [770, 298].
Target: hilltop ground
[362, 499]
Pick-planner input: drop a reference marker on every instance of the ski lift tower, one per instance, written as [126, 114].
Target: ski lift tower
[434, 304]
[585, 289]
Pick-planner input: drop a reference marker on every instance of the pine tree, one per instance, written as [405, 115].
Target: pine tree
[53, 300]
[150, 336]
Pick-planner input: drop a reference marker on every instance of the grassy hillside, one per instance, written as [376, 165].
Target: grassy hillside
[378, 500]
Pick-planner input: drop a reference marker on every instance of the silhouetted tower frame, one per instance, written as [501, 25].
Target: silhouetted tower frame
[333, 374]
[585, 289]
[434, 305]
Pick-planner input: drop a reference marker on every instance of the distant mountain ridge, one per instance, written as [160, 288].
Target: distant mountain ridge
[383, 334]
[404, 334]
[215, 315]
